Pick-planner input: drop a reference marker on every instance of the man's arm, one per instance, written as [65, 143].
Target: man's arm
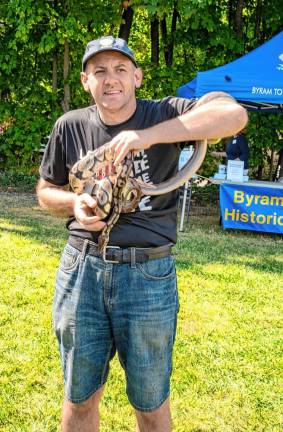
[63, 203]
[218, 154]
[220, 116]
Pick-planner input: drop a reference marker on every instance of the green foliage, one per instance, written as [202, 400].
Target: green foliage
[35, 33]
[20, 144]
[160, 81]
[15, 181]
[32, 38]
[264, 137]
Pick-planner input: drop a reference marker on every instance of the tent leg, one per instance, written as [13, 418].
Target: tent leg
[184, 206]
[189, 201]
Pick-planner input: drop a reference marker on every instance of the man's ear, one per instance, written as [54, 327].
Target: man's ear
[138, 77]
[84, 81]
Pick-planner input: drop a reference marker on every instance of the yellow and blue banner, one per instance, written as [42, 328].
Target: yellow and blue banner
[253, 208]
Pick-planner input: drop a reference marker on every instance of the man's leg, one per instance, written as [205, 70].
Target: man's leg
[82, 417]
[84, 335]
[144, 327]
[158, 420]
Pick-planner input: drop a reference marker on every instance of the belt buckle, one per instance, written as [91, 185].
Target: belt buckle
[104, 255]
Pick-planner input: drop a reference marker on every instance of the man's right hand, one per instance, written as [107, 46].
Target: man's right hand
[63, 203]
[84, 209]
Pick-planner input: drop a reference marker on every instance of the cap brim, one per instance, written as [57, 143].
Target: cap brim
[86, 59]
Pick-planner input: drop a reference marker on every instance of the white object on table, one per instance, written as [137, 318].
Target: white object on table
[235, 170]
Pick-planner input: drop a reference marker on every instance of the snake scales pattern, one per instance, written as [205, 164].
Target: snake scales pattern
[114, 188]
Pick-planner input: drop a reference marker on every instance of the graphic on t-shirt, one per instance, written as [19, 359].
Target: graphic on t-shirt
[141, 172]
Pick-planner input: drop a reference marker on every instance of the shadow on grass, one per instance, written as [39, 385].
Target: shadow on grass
[204, 242]
[22, 216]
[49, 236]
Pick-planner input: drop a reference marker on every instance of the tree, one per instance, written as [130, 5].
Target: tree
[127, 19]
[42, 42]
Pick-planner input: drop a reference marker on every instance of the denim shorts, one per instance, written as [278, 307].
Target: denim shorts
[102, 308]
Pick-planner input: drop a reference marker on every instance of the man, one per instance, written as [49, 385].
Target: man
[237, 149]
[129, 307]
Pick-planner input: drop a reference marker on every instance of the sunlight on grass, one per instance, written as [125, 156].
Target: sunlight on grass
[228, 353]
[11, 227]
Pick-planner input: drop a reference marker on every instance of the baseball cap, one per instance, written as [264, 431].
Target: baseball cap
[107, 43]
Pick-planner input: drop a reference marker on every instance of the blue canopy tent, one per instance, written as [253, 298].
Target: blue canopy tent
[255, 79]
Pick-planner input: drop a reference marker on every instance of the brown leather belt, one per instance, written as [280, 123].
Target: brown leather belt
[117, 255]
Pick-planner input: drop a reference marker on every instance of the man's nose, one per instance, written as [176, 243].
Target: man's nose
[110, 77]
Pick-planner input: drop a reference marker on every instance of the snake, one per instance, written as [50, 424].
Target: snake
[116, 190]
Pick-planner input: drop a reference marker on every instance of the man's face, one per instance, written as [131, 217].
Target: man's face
[112, 79]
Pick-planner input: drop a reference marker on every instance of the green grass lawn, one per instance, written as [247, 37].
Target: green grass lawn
[228, 353]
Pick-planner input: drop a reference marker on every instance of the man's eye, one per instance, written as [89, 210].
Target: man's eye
[99, 72]
[121, 70]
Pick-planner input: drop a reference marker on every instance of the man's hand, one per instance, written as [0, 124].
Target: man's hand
[126, 141]
[218, 154]
[84, 208]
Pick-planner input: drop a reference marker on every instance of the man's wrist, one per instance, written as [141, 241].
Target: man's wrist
[151, 136]
[146, 136]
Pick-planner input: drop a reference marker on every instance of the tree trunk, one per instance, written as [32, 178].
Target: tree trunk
[239, 18]
[67, 93]
[154, 33]
[271, 164]
[231, 13]
[164, 38]
[54, 72]
[55, 60]
[259, 172]
[125, 27]
[258, 16]
[90, 26]
[169, 43]
[173, 31]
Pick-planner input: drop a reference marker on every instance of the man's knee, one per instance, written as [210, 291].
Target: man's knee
[82, 408]
[157, 420]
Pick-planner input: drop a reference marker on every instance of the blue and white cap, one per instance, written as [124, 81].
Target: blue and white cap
[107, 43]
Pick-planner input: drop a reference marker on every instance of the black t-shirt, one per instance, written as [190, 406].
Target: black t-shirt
[238, 148]
[154, 222]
